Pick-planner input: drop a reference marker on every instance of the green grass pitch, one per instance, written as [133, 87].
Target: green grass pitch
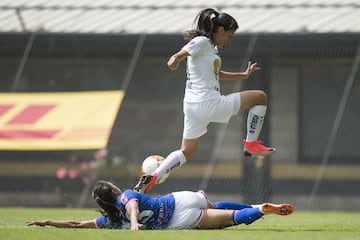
[300, 225]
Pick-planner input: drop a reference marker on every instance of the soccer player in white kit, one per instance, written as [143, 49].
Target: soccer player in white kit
[203, 102]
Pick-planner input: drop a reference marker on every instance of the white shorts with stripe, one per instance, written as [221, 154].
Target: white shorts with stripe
[199, 115]
[189, 209]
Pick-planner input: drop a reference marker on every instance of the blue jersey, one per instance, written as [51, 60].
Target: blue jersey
[154, 212]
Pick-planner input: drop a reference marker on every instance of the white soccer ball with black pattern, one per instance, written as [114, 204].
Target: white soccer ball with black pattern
[150, 164]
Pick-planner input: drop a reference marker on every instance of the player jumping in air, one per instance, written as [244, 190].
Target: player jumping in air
[203, 102]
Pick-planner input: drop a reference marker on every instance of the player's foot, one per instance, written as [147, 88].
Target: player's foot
[139, 185]
[146, 183]
[280, 209]
[256, 148]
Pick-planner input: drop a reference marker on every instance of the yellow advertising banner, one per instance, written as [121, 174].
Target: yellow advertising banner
[57, 121]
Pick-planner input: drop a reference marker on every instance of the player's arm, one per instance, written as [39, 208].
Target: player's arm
[132, 209]
[175, 59]
[252, 67]
[63, 223]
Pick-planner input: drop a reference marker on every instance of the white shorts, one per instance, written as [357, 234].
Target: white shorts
[189, 209]
[199, 115]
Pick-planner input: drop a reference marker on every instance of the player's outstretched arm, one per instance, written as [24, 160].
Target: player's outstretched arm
[252, 67]
[62, 223]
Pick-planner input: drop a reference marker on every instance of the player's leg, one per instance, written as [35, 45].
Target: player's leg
[173, 161]
[216, 219]
[219, 218]
[256, 102]
[195, 126]
[230, 205]
[280, 209]
[196, 119]
[177, 158]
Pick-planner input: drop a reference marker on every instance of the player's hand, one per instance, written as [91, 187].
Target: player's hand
[136, 226]
[173, 63]
[252, 67]
[41, 223]
[175, 59]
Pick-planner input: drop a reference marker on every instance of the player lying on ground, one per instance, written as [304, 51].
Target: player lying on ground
[177, 210]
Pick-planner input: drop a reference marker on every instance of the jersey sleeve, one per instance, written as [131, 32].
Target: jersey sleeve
[128, 195]
[101, 222]
[105, 223]
[196, 45]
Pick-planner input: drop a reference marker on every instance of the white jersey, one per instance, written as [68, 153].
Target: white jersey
[203, 66]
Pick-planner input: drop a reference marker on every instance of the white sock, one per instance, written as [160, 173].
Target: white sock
[172, 161]
[259, 206]
[255, 122]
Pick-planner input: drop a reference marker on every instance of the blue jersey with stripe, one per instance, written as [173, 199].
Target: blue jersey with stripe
[154, 212]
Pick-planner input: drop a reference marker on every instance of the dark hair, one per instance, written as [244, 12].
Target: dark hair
[208, 21]
[106, 200]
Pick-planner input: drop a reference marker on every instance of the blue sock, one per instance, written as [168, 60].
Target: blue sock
[247, 216]
[231, 205]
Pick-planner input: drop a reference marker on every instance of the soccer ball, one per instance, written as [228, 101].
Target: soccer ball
[150, 164]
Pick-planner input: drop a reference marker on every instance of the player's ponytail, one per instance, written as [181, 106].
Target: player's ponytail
[106, 200]
[204, 24]
[207, 22]
[108, 209]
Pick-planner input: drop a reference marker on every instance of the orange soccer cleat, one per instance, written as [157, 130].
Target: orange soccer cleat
[280, 209]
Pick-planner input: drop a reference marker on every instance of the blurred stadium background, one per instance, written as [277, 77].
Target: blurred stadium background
[309, 52]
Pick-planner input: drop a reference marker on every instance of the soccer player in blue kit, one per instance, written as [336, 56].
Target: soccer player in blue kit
[177, 210]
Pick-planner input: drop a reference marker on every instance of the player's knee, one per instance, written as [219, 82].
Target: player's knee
[262, 97]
